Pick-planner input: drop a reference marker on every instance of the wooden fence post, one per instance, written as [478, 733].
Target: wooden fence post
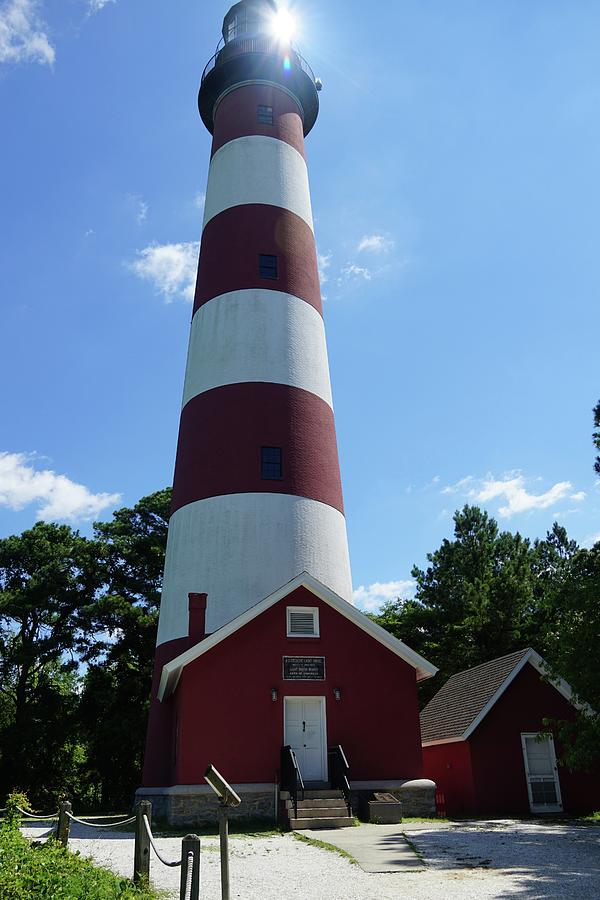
[141, 855]
[190, 844]
[64, 823]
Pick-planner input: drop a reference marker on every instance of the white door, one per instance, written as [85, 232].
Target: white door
[541, 772]
[304, 731]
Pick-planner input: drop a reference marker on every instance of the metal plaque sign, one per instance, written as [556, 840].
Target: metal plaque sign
[304, 668]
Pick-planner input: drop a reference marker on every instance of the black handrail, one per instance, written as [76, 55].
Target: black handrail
[291, 777]
[338, 773]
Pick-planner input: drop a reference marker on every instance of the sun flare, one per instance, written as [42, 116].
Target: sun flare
[283, 25]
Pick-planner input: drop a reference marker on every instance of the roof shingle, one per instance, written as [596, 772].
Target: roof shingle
[458, 703]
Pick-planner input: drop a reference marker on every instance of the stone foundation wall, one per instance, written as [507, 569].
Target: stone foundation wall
[187, 807]
[417, 796]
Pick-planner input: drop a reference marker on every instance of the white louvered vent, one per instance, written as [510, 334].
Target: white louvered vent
[302, 622]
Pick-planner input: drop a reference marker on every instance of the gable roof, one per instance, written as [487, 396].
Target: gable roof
[462, 703]
[172, 670]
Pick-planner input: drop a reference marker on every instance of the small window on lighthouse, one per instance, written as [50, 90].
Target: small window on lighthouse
[270, 463]
[302, 621]
[267, 266]
[264, 115]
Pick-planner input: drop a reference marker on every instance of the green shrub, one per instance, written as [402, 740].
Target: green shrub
[50, 872]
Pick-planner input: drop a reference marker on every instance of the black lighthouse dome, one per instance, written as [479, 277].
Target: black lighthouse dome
[251, 52]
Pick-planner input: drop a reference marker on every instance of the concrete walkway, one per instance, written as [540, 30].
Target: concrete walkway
[376, 848]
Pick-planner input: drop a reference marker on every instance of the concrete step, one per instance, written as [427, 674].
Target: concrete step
[321, 812]
[330, 794]
[322, 802]
[328, 822]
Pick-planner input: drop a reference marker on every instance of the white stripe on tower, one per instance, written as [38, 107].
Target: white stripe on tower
[217, 543]
[258, 169]
[257, 335]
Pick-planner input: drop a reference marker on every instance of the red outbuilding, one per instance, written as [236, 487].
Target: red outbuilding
[487, 747]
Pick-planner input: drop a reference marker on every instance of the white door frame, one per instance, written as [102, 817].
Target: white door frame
[323, 727]
[537, 807]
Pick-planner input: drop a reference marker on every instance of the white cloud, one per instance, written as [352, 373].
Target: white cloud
[375, 243]
[372, 598]
[56, 496]
[323, 262]
[96, 5]
[22, 35]
[139, 207]
[352, 272]
[511, 489]
[591, 540]
[199, 200]
[171, 268]
[142, 212]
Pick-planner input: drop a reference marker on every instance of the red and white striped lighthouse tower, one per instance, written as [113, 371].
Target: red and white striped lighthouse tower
[257, 496]
[277, 665]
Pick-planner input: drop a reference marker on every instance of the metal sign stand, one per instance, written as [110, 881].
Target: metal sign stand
[224, 847]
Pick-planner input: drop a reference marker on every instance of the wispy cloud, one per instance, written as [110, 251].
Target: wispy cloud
[591, 540]
[353, 273]
[199, 200]
[372, 597]
[56, 496]
[375, 243]
[324, 262]
[96, 5]
[23, 36]
[171, 268]
[511, 488]
[138, 205]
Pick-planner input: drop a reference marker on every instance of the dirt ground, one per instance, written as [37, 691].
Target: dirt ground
[500, 859]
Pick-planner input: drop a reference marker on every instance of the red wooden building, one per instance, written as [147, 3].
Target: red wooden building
[482, 742]
[302, 668]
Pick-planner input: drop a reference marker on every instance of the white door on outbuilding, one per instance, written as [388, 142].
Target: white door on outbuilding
[541, 773]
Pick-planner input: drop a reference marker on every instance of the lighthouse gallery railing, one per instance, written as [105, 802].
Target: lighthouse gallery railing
[258, 44]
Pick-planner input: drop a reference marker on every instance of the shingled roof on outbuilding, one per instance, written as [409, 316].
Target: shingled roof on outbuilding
[465, 696]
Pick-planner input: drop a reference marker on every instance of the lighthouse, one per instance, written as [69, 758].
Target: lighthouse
[256, 597]
[257, 495]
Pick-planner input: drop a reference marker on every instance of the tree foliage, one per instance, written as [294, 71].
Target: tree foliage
[485, 593]
[573, 654]
[596, 436]
[117, 683]
[78, 621]
[49, 581]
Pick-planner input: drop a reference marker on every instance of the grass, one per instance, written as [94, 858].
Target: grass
[50, 872]
[323, 845]
[410, 819]
[238, 828]
[413, 847]
[593, 817]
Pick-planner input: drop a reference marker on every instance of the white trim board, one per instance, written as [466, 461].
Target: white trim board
[172, 670]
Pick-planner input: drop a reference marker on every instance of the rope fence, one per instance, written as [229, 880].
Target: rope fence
[189, 877]
[103, 825]
[144, 841]
[39, 818]
[172, 864]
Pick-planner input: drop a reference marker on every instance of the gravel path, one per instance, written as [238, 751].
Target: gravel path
[473, 861]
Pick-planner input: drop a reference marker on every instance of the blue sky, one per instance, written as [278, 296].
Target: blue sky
[454, 173]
